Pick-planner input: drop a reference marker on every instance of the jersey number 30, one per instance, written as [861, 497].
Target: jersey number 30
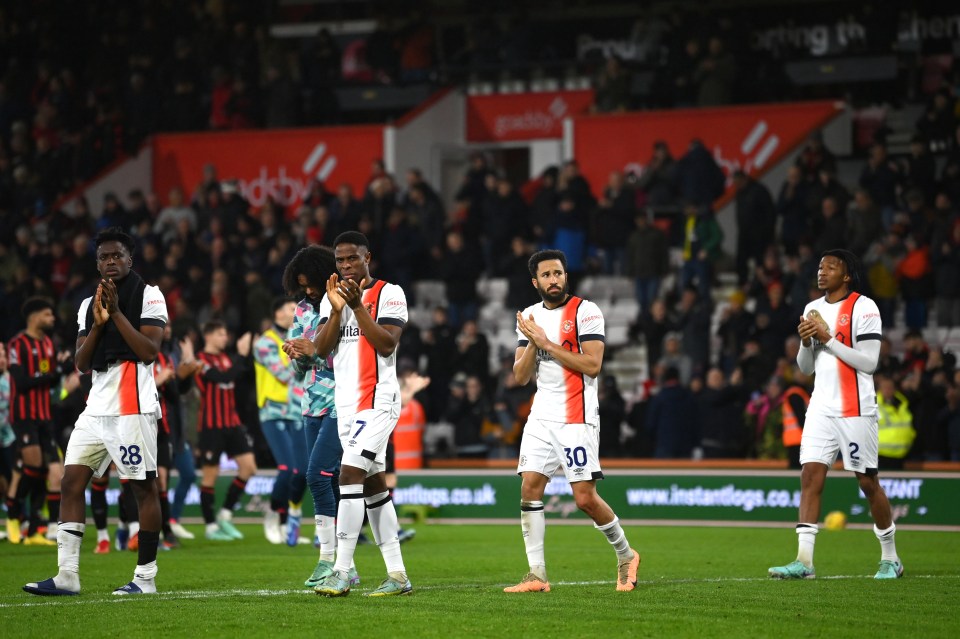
[576, 456]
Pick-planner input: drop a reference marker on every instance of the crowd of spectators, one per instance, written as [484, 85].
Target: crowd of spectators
[214, 256]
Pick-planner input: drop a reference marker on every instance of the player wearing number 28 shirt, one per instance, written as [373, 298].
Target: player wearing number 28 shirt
[121, 328]
[560, 342]
[840, 342]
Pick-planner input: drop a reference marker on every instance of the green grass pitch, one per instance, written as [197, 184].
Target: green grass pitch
[694, 582]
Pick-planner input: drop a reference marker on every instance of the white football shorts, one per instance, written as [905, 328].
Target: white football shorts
[548, 446]
[365, 436]
[855, 438]
[129, 441]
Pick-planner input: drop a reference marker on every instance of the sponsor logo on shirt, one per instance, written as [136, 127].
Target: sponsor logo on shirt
[350, 331]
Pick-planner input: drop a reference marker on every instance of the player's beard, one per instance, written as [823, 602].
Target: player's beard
[553, 296]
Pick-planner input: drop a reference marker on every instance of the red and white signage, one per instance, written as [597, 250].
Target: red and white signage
[752, 138]
[278, 163]
[523, 116]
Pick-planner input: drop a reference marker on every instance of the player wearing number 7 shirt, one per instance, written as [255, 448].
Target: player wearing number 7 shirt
[361, 319]
[121, 328]
[840, 342]
[561, 343]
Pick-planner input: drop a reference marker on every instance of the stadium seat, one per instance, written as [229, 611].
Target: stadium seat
[616, 336]
[430, 293]
[492, 289]
[623, 311]
[422, 316]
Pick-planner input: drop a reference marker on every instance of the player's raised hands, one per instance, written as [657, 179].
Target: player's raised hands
[351, 293]
[186, 350]
[299, 347]
[100, 314]
[531, 330]
[110, 297]
[333, 294]
[243, 344]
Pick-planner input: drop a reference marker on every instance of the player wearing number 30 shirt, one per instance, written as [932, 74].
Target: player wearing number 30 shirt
[560, 343]
[840, 342]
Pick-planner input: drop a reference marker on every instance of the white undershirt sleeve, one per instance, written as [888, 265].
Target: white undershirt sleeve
[864, 357]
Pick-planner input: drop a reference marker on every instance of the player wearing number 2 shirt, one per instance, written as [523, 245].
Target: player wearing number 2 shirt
[840, 342]
[121, 328]
[560, 342]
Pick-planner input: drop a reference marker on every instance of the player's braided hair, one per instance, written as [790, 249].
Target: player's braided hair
[314, 262]
[850, 261]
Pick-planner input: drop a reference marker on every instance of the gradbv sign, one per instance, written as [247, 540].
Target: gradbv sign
[523, 116]
[278, 164]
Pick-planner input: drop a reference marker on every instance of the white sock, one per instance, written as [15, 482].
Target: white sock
[617, 538]
[102, 535]
[327, 533]
[213, 527]
[807, 537]
[533, 523]
[888, 545]
[349, 522]
[384, 525]
[225, 515]
[69, 538]
[134, 528]
[145, 572]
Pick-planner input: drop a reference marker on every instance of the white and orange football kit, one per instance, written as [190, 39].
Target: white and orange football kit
[563, 430]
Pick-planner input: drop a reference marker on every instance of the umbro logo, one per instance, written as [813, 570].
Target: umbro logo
[341, 535]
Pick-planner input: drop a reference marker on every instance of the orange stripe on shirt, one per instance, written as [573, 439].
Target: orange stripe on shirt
[129, 392]
[367, 373]
[572, 380]
[847, 374]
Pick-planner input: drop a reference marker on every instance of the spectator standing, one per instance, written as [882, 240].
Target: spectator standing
[459, 268]
[646, 259]
[756, 222]
[672, 418]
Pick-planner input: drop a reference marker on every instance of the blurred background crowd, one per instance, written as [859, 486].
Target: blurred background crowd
[701, 352]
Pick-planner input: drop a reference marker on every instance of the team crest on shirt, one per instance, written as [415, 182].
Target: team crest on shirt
[369, 307]
[567, 326]
[844, 319]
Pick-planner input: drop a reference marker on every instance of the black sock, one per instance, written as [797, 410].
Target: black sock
[130, 502]
[237, 486]
[147, 550]
[206, 503]
[53, 505]
[13, 507]
[33, 485]
[98, 504]
[165, 513]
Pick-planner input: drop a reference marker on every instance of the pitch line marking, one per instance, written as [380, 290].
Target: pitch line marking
[219, 594]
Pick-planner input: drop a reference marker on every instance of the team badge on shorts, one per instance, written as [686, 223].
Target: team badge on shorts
[523, 460]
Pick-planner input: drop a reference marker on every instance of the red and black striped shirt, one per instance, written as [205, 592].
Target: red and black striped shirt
[159, 364]
[33, 373]
[218, 401]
